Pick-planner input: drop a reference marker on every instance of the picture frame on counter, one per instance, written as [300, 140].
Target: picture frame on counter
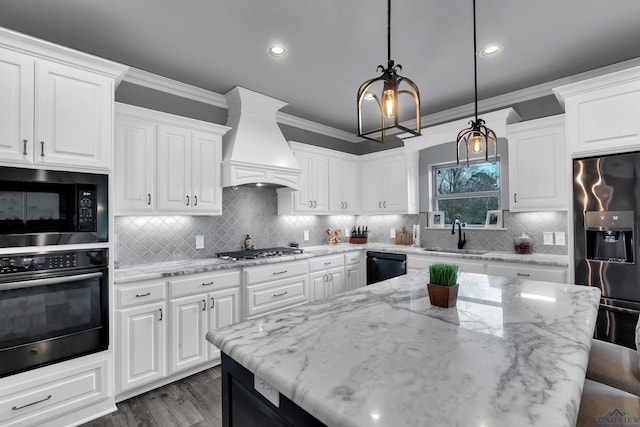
[494, 219]
[436, 219]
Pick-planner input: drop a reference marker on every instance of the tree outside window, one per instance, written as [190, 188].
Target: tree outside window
[467, 192]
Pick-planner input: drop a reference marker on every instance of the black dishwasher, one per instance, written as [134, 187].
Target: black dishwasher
[382, 266]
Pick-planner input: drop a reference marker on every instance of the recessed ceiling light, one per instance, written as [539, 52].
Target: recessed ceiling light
[277, 51]
[491, 50]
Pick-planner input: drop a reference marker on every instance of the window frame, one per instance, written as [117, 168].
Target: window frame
[478, 194]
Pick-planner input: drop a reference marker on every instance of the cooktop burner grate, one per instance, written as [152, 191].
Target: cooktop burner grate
[259, 253]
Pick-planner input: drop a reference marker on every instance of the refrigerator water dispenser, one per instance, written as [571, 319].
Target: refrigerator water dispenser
[609, 236]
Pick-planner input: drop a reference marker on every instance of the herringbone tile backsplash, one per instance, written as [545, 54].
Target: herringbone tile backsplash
[253, 211]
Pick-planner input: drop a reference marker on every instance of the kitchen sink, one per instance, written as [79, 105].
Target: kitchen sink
[457, 251]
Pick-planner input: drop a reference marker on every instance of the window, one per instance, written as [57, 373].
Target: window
[467, 192]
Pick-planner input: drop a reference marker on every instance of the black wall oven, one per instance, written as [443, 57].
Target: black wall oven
[42, 207]
[53, 306]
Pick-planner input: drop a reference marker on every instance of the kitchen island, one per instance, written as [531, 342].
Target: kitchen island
[511, 353]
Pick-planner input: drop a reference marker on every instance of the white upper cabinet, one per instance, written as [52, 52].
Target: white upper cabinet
[602, 113]
[167, 164]
[389, 183]
[344, 184]
[56, 105]
[314, 186]
[538, 165]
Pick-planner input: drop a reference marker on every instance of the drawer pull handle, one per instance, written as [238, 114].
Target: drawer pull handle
[143, 295]
[213, 302]
[207, 284]
[204, 305]
[281, 294]
[24, 149]
[523, 274]
[280, 272]
[148, 198]
[16, 408]
[160, 319]
[328, 263]
[41, 148]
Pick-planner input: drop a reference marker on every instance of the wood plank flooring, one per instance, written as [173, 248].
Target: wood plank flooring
[190, 402]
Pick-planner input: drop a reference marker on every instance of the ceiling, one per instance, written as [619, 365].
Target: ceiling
[335, 45]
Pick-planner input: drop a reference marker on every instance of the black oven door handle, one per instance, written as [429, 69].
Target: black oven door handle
[48, 281]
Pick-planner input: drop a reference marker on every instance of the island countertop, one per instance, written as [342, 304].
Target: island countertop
[512, 352]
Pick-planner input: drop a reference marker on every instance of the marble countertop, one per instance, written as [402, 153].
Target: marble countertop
[175, 268]
[512, 352]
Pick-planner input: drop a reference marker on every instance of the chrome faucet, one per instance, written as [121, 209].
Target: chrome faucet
[462, 237]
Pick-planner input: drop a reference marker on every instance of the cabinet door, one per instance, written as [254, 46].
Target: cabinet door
[318, 283]
[303, 198]
[16, 107]
[135, 143]
[338, 285]
[343, 185]
[224, 310]
[206, 178]
[371, 187]
[142, 346]
[394, 184]
[320, 183]
[353, 277]
[173, 174]
[537, 165]
[73, 116]
[188, 330]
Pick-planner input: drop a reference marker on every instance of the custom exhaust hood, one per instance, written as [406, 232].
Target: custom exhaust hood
[254, 150]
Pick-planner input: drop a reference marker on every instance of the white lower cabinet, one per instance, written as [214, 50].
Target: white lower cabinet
[224, 310]
[53, 398]
[326, 276]
[188, 329]
[527, 271]
[275, 287]
[354, 274]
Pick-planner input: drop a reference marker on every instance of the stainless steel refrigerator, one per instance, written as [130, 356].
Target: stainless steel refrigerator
[606, 202]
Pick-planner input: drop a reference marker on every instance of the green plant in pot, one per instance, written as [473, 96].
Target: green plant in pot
[443, 289]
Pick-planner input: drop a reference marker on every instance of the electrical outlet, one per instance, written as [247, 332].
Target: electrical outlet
[392, 233]
[547, 238]
[306, 235]
[267, 390]
[199, 242]
[559, 237]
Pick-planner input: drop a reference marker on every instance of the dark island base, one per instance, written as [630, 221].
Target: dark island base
[243, 406]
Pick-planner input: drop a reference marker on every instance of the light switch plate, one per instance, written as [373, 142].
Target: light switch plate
[392, 233]
[560, 238]
[199, 242]
[547, 238]
[306, 235]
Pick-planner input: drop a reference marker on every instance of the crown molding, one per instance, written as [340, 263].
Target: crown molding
[154, 81]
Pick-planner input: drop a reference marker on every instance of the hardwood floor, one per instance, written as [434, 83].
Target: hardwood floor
[193, 401]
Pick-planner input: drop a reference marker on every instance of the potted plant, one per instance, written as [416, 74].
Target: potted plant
[443, 289]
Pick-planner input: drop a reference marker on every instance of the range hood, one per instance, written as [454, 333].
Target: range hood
[254, 150]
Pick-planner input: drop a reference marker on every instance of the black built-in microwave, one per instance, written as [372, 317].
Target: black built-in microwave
[43, 207]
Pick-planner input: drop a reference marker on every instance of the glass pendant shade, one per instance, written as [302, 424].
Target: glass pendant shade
[382, 100]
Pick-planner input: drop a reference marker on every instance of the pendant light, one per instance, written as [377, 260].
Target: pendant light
[390, 86]
[477, 137]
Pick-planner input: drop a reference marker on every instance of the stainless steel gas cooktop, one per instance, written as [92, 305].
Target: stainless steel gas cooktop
[259, 253]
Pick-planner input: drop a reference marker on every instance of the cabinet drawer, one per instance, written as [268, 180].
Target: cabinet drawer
[140, 294]
[326, 262]
[276, 271]
[40, 399]
[352, 258]
[546, 274]
[197, 283]
[266, 297]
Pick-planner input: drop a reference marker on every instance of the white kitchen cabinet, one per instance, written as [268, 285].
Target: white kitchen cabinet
[274, 287]
[344, 185]
[354, 274]
[54, 114]
[166, 164]
[417, 262]
[198, 303]
[602, 113]
[141, 344]
[61, 396]
[326, 276]
[313, 195]
[538, 165]
[528, 271]
[387, 185]
[135, 153]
